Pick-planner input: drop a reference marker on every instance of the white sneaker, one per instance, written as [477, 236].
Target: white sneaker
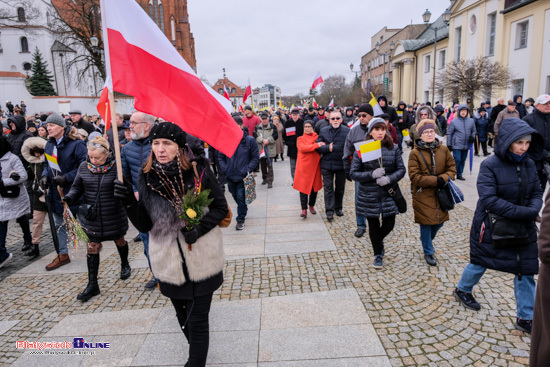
[7, 260]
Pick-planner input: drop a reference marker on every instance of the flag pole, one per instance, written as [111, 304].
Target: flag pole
[111, 96]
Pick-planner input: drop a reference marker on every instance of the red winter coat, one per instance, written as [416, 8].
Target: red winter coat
[393, 133]
[308, 165]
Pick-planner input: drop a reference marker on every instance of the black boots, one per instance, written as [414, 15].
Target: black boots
[92, 289]
[34, 252]
[125, 270]
[27, 244]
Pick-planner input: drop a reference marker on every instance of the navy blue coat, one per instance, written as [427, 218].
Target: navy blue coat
[498, 188]
[332, 160]
[133, 156]
[70, 153]
[372, 199]
[244, 160]
[482, 128]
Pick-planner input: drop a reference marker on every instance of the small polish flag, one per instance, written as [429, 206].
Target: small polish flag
[262, 153]
[315, 103]
[247, 92]
[225, 94]
[291, 131]
[331, 104]
[351, 123]
[318, 80]
[103, 105]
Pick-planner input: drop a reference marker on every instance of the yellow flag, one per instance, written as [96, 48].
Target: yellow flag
[373, 102]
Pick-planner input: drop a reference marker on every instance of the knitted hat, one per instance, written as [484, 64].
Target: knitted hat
[425, 125]
[375, 121]
[170, 131]
[525, 137]
[57, 119]
[366, 108]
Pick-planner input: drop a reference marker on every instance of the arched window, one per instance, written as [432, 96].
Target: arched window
[233, 90]
[173, 27]
[94, 20]
[24, 44]
[156, 12]
[161, 16]
[220, 91]
[20, 14]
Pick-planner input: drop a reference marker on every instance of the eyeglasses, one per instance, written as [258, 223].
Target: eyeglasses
[362, 115]
[308, 127]
[136, 123]
[428, 132]
[335, 118]
[423, 114]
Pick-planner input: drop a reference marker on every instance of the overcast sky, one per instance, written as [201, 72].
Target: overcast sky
[286, 42]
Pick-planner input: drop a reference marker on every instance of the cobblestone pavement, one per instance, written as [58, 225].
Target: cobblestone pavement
[410, 303]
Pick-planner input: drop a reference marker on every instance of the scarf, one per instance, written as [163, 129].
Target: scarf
[421, 144]
[104, 168]
[514, 157]
[166, 179]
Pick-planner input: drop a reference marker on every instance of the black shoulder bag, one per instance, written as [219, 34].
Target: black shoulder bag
[509, 232]
[443, 195]
[90, 211]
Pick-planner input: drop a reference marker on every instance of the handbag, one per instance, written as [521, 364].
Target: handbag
[444, 196]
[249, 188]
[395, 193]
[89, 211]
[226, 221]
[509, 232]
[10, 191]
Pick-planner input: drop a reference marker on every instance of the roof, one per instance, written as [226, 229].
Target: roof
[59, 47]
[515, 5]
[427, 37]
[11, 74]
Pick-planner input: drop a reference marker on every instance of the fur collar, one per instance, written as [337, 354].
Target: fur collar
[34, 142]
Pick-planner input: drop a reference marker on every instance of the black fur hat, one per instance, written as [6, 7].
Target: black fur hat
[170, 131]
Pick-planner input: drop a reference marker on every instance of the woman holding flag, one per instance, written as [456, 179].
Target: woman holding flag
[379, 168]
[431, 166]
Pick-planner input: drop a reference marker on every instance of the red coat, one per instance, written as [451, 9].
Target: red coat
[308, 165]
[393, 133]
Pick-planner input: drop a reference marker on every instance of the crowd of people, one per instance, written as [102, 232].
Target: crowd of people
[160, 163]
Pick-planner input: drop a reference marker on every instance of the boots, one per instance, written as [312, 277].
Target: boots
[27, 244]
[282, 157]
[34, 252]
[92, 289]
[125, 270]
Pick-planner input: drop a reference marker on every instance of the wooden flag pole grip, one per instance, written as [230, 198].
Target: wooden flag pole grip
[115, 137]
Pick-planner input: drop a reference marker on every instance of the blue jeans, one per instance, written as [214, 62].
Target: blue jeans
[524, 289]
[460, 160]
[361, 221]
[237, 191]
[400, 137]
[145, 239]
[61, 233]
[427, 234]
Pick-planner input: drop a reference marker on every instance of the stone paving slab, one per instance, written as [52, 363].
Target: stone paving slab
[298, 247]
[340, 362]
[6, 325]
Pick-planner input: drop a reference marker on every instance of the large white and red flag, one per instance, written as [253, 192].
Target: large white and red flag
[103, 105]
[225, 93]
[247, 92]
[318, 80]
[144, 64]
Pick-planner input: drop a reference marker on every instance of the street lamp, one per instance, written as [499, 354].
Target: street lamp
[446, 17]
[377, 47]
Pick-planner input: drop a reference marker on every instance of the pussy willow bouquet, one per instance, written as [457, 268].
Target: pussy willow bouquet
[193, 207]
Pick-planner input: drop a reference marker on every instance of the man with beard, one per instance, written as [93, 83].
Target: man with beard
[133, 155]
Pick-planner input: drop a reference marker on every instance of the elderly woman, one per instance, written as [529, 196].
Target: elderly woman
[375, 177]
[307, 179]
[103, 218]
[509, 193]
[431, 166]
[279, 144]
[14, 200]
[187, 262]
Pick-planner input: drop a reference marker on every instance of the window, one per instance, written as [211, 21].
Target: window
[521, 34]
[442, 60]
[427, 63]
[517, 86]
[173, 28]
[156, 12]
[458, 42]
[233, 90]
[220, 91]
[94, 20]
[20, 14]
[27, 66]
[24, 44]
[548, 84]
[492, 21]
[426, 96]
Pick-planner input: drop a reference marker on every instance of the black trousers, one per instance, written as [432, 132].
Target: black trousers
[267, 170]
[304, 199]
[377, 232]
[193, 319]
[334, 183]
[483, 147]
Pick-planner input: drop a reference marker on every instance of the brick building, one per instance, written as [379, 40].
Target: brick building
[235, 92]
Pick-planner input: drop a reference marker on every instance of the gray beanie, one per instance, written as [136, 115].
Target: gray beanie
[57, 119]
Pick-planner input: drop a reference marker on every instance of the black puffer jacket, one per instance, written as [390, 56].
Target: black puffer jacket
[18, 136]
[373, 199]
[540, 122]
[332, 160]
[111, 222]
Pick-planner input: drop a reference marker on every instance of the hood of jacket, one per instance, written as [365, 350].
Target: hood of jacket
[401, 103]
[439, 108]
[28, 145]
[511, 130]
[431, 113]
[516, 96]
[20, 124]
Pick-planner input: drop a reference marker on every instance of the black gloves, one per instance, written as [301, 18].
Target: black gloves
[440, 182]
[471, 140]
[68, 200]
[124, 192]
[190, 236]
[348, 176]
[60, 180]
[15, 176]
[450, 148]
[45, 182]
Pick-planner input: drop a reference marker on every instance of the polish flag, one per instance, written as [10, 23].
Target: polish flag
[290, 131]
[247, 92]
[262, 153]
[315, 103]
[103, 105]
[143, 63]
[331, 104]
[318, 80]
[225, 94]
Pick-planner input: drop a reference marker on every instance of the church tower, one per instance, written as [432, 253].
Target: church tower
[172, 18]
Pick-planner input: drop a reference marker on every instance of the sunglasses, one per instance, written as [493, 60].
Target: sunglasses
[362, 115]
[335, 118]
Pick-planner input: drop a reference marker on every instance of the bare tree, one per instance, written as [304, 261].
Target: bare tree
[472, 78]
[295, 100]
[18, 14]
